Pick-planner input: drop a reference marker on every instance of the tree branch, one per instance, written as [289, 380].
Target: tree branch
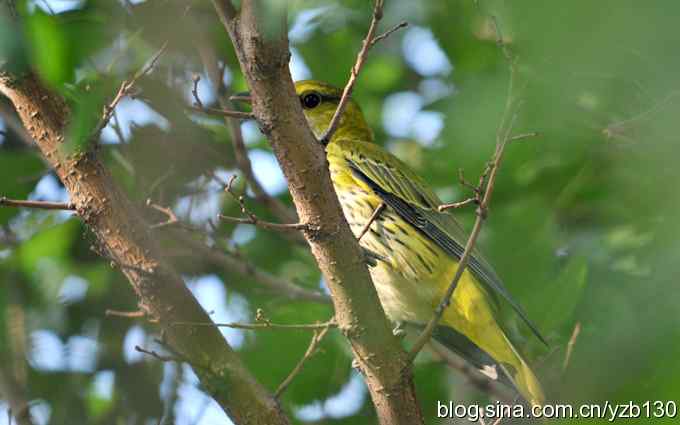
[125, 88]
[264, 60]
[378, 210]
[311, 350]
[570, 346]
[483, 195]
[252, 218]
[222, 112]
[125, 237]
[210, 63]
[41, 205]
[241, 266]
[260, 326]
[369, 41]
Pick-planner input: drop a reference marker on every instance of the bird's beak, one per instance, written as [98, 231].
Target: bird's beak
[241, 97]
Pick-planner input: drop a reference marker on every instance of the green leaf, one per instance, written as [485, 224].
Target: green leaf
[54, 243]
[12, 56]
[50, 48]
[60, 43]
[87, 112]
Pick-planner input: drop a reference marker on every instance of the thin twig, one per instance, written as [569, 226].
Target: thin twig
[251, 218]
[260, 326]
[265, 224]
[369, 41]
[616, 129]
[455, 205]
[477, 190]
[126, 314]
[42, 205]
[172, 217]
[570, 345]
[400, 25]
[525, 136]
[124, 90]
[311, 350]
[502, 138]
[157, 356]
[115, 125]
[198, 107]
[378, 210]
[239, 115]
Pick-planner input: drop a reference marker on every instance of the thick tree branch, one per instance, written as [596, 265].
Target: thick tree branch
[125, 238]
[264, 60]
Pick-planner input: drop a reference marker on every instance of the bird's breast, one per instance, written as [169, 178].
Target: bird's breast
[410, 266]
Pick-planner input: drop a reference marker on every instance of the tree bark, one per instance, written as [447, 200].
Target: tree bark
[123, 236]
[263, 54]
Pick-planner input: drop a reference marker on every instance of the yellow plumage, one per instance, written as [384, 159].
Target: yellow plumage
[417, 247]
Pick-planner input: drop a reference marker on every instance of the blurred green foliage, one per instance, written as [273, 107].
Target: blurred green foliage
[583, 223]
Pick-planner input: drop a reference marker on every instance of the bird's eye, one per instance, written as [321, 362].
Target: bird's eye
[311, 100]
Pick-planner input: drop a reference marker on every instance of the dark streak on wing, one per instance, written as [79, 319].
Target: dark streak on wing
[415, 217]
[461, 345]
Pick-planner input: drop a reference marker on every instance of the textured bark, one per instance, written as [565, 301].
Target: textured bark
[263, 55]
[124, 237]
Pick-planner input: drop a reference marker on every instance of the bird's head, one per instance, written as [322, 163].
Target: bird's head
[319, 101]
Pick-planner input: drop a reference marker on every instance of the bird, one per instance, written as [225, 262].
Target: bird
[414, 248]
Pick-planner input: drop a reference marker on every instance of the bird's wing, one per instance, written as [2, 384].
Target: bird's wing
[411, 198]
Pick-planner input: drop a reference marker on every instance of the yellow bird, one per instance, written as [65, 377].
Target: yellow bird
[416, 248]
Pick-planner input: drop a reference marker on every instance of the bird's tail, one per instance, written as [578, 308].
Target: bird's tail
[522, 377]
[496, 357]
